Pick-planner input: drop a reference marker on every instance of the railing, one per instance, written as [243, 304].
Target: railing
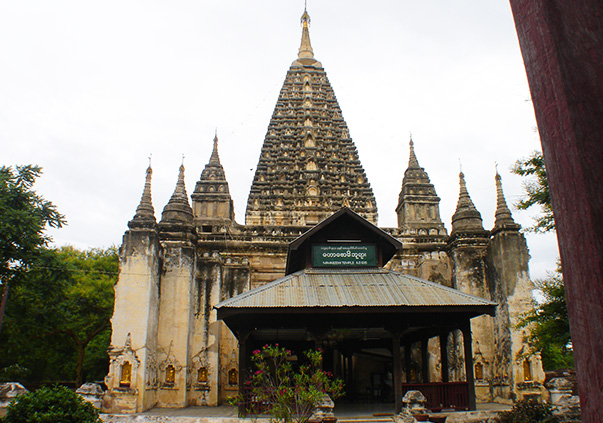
[442, 395]
[251, 404]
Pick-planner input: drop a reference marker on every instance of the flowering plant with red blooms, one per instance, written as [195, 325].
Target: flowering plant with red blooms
[288, 394]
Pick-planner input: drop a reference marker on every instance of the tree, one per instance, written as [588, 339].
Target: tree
[548, 320]
[549, 324]
[537, 191]
[89, 298]
[59, 315]
[24, 215]
[288, 394]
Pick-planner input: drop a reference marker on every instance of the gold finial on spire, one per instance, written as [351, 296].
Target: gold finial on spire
[305, 49]
[305, 19]
[150, 156]
[182, 164]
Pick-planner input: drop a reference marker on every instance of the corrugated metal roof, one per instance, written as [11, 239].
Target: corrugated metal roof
[351, 288]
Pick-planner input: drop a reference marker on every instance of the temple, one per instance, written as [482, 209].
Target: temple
[176, 339]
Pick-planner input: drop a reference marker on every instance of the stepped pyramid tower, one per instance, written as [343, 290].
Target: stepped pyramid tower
[168, 349]
[309, 166]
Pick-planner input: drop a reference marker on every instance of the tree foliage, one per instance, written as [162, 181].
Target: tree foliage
[286, 393]
[51, 405]
[548, 322]
[536, 191]
[57, 322]
[24, 215]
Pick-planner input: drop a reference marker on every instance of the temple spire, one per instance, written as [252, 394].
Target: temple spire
[178, 209]
[308, 161]
[215, 158]
[145, 213]
[305, 56]
[466, 216]
[412, 158]
[503, 216]
[305, 49]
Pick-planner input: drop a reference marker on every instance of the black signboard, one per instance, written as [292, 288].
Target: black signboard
[344, 255]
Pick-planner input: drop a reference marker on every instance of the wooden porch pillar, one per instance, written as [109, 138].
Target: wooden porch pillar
[466, 329]
[407, 361]
[425, 360]
[244, 359]
[444, 355]
[397, 372]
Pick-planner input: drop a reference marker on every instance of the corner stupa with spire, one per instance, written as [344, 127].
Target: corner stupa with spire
[145, 213]
[177, 212]
[212, 203]
[466, 218]
[418, 207]
[503, 219]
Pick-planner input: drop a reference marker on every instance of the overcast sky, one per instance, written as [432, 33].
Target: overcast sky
[88, 89]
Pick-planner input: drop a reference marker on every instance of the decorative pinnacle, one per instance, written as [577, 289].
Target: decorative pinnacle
[305, 49]
[412, 158]
[465, 202]
[503, 215]
[180, 188]
[215, 158]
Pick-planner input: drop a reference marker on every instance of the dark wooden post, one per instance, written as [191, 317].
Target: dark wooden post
[562, 43]
[444, 355]
[425, 359]
[244, 358]
[466, 329]
[407, 347]
[397, 372]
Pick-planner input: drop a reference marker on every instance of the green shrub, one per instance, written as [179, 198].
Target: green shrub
[286, 393]
[51, 405]
[528, 411]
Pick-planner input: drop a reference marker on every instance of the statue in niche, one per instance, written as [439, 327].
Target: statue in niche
[527, 370]
[233, 377]
[170, 374]
[202, 375]
[126, 374]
